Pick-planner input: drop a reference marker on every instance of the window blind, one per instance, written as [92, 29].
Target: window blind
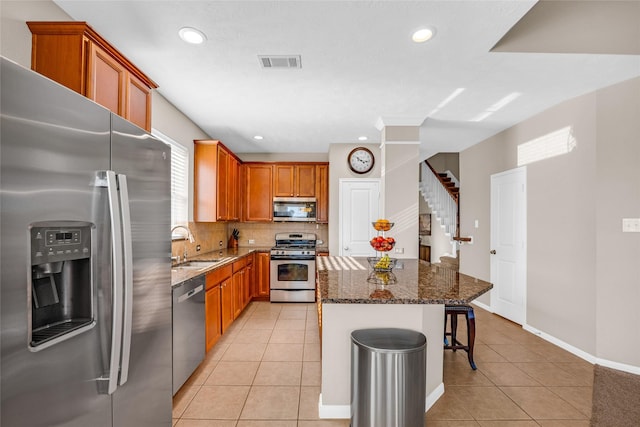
[179, 180]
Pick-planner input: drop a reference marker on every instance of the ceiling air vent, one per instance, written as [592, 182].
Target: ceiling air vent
[280, 61]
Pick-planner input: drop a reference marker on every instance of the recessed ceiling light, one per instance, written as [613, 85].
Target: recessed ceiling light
[192, 35]
[362, 138]
[258, 138]
[423, 34]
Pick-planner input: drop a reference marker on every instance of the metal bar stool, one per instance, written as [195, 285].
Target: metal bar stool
[453, 311]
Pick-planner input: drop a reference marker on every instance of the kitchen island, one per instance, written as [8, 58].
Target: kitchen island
[350, 296]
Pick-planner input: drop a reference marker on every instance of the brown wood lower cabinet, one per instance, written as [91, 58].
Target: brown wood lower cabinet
[261, 287]
[226, 304]
[239, 283]
[216, 285]
[249, 278]
[213, 326]
[230, 289]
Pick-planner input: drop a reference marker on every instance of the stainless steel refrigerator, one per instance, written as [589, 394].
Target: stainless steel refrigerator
[85, 262]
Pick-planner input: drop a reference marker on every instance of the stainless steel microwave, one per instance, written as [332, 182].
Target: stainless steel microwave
[297, 209]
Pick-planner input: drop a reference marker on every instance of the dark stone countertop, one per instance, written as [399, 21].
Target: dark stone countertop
[411, 282]
[228, 256]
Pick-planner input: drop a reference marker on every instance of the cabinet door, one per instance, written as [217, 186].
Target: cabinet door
[138, 103]
[258, 192]
[262, 274]
[106, 80]
[213, 320]
[204, 181]
[305, 181]
[249, 280]
[233, 189]
[226, 292]
[238, 292]
[283, 181]
[222, 187]
[322, 193]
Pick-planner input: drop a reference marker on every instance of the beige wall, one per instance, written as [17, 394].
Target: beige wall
[15, 37]
[338, 169]
[617, 191]
[443, 162]
[399, 196]
[170, 121]
[576, 252]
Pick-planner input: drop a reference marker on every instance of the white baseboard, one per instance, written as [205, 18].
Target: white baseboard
[344, 411]
[333, 411]
[482, 306]
[433, 397]
[583, 354]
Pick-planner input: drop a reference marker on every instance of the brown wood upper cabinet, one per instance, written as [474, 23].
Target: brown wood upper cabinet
[322, 193]
[258, 191]
[74, 55]
[294, 180]
[216, 182]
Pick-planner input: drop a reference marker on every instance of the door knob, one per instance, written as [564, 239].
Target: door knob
[492, 251]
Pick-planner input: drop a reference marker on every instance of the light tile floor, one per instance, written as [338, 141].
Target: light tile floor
[265, 371]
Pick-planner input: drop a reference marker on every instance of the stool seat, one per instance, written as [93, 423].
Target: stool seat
[452, 312]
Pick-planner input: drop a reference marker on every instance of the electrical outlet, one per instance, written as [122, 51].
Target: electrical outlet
[252, 241]
[631, 225]
[399, 250]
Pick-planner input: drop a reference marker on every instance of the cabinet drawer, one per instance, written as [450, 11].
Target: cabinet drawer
[218, 275]
[240, 264]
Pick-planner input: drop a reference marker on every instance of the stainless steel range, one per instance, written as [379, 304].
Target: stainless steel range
[293, 268]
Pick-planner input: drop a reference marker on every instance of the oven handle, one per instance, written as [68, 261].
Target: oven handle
[293, 258]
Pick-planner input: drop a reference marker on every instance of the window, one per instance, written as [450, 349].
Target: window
[179, 180]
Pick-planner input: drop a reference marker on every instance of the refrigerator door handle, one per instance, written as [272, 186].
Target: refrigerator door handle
[117, 278]
[127, 247]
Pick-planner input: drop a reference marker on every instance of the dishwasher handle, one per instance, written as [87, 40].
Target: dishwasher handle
[190, 294]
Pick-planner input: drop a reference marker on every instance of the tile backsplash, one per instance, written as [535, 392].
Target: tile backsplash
[209, 235]
[264, 233]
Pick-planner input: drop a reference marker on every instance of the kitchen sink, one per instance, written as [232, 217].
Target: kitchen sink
[199, 265]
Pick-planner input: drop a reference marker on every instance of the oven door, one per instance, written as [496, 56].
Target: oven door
[293, 274]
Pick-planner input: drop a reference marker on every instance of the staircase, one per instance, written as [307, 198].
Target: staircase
[441, 193]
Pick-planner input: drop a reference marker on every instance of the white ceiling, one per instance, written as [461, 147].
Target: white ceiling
[359, 65]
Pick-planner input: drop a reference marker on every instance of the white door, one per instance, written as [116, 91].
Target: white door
[509, 244]
[359, 207]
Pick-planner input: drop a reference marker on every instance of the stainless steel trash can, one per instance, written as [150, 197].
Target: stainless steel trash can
[388, 378]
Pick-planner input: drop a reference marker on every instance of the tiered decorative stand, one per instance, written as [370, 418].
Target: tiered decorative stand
[382, 264]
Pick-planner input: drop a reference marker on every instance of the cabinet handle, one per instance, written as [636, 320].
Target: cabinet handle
[492, 252]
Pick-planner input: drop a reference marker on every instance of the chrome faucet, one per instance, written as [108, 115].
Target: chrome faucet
[189, 237]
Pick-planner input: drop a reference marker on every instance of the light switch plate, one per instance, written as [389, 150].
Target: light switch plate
[631, 225]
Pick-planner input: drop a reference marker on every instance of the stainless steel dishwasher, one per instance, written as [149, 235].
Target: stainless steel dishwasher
[188, 329]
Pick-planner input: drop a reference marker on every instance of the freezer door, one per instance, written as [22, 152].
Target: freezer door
[145, 399]
[52, 142]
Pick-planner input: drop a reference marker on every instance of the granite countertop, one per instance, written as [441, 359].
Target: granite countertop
[411, 282]
[228, 256]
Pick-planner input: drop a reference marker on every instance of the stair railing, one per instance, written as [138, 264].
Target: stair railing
[443, 201]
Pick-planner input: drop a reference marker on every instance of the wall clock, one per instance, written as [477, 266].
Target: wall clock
[361, 160]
